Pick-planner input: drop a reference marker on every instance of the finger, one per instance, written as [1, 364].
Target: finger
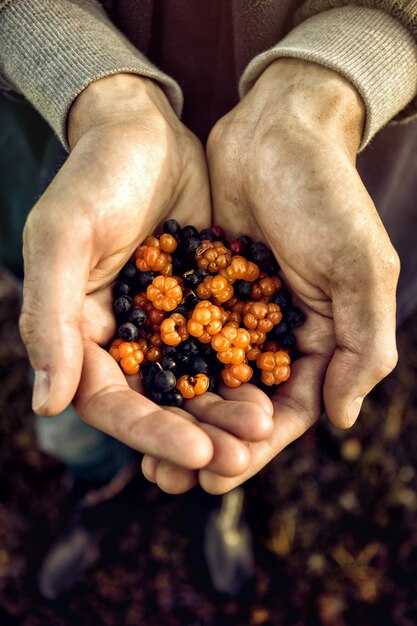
[105, 401]
[245, 412]
[230, 455]
[297, 405]
[56, 270]
[149, 465]
[364, 320]
[174, 479]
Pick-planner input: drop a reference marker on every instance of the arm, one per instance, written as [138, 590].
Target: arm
[50, 50]
[282, 166]
[131, 165]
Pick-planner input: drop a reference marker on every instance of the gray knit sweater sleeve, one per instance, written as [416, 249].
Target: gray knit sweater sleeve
[370, 47]
[50, 50]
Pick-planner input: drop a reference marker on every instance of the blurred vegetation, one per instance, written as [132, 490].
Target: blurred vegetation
[333, 521]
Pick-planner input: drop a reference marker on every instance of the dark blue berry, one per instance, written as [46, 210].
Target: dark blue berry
[122, 305]
[147, 381]
[191, 301]
[165, 381]
[191, 279]
[168, 363]
[282, 299]
[243, 289]
[293, 316]
[177, 265]
[144, 279]
[245, 241]
[206, 235]
[181, 309]
[150, 369]
[128, 332]
[190, 245]
[170, 350]
[189, 231]
[199, 365]
[260, 254]
[286, 340]
[280, 328]
[121, 289]
[138, 317]
[213, 384]
[190, 346]
[129, 271]
[172, 398]
[171, 227]
[183, 361]
[155, 396]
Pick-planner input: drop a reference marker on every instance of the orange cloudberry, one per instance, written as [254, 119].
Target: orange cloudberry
[236, 374]
[275, 367]
[165, 293]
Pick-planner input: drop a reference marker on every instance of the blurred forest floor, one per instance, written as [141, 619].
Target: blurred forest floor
[333, 520]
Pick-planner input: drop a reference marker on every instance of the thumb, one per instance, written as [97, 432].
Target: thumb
[366, 353]
[56, 271]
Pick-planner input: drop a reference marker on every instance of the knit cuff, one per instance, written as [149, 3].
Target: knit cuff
[368, 47]
[52, 49]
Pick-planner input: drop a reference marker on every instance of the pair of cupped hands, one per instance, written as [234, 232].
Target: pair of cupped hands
[279, 167]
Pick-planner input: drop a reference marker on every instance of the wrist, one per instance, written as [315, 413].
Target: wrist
[116, 99]
[318, 99]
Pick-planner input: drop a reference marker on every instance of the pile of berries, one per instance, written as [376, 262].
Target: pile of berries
[193, 310]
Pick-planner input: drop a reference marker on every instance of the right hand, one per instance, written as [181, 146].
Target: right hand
[132, 165]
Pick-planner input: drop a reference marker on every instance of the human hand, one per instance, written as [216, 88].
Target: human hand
[282, 169]
[132, 164]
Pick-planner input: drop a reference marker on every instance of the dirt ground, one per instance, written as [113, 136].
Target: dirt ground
[333, 522]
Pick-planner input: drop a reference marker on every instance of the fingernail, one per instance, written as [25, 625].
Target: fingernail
[41, 388]
[354, 410]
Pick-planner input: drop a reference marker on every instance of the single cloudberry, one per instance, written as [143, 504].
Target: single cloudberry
[114, 349]
[150, 257]
[257, 337]
[128, 355]
[252, 352]
[205, 321]
[217, 287]
[154, 354]
[265, 287]
[168, 243]
[261, 316]
[165, 293]
[190, 386]
[275, 367]
[236, 374]
[230, 344]
[174, 329]
[155, 339]
[240, 269]
[212, 256]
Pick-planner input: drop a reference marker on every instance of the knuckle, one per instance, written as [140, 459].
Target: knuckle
[27, 328]
[385, 364]
[393, 263]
